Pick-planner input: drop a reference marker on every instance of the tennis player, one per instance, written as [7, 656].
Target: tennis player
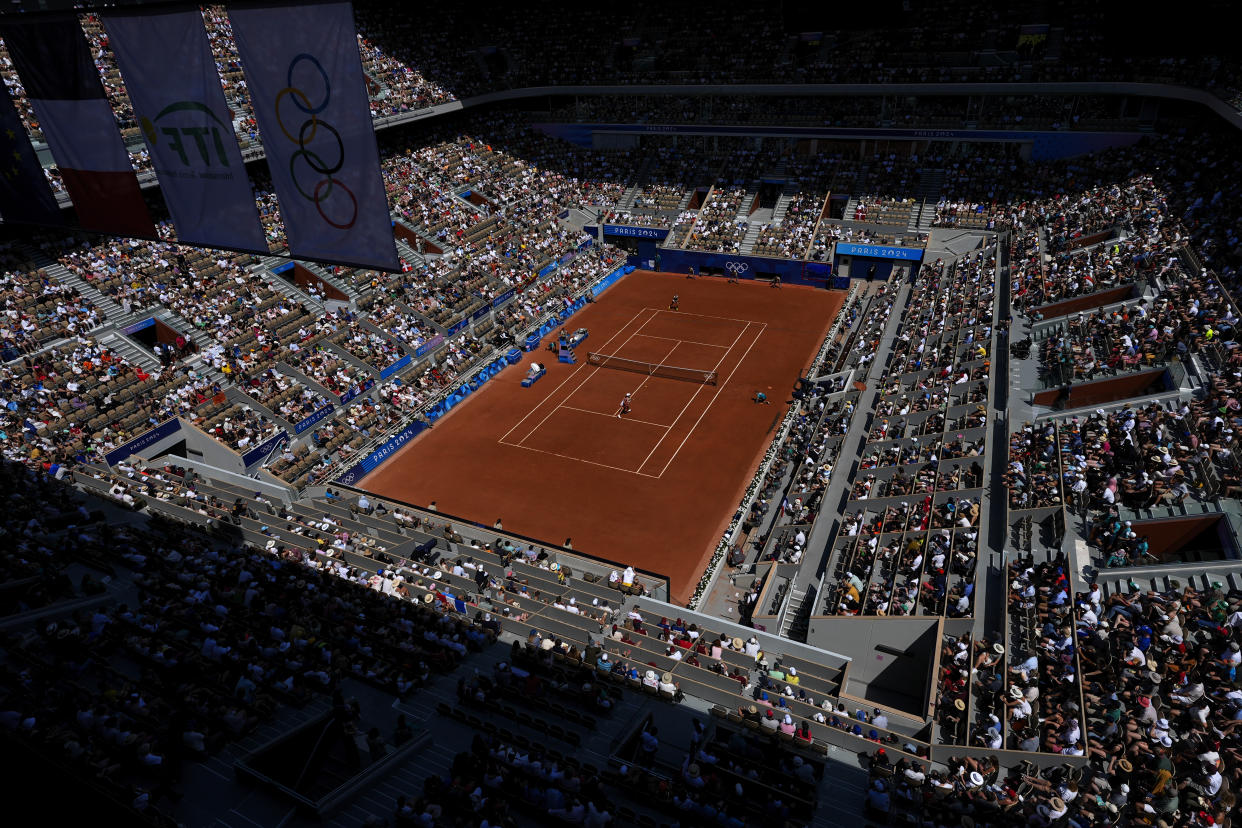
[673, 305]
[625, 405]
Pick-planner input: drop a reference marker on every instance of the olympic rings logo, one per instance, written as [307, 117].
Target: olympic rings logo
[737, 268]
[306, 134]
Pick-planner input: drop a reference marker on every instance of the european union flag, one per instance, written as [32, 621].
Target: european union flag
[24, 192]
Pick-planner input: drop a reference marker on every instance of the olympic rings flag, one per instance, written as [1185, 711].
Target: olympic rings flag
[171, 78]
[305, 78]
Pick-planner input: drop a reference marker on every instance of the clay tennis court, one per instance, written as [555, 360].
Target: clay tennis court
[656, 487]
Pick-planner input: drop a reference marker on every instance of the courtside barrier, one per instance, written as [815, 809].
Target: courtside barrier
[476, 381]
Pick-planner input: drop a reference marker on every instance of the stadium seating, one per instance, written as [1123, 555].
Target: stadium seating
[1024, 447]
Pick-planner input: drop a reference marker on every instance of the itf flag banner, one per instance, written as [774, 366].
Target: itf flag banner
[171, 78]
[24, 192]
[55, 65]
[305, 78]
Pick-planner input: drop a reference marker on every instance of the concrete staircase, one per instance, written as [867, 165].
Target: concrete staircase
[792, 611]
[411, 255]
[743, 210]
[129, 350]
[627, 198]
[327, 278]
[201, 366]
[65, 276]
[752, 233]
[931, 184]
[378, 799]
[931, 180]
[238, 806]
[782, 204]
[418, 230]
[287, 288]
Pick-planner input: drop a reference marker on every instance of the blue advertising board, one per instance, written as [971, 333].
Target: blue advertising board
[142, 441]
[389, 447]
[611, 279]
[458, 326]
[633, 231]
[733, 264]
[480, 313]
[303, 425]
[138, 326]
[428, 346]
[361, 388]
[396, 367]
[265, 448]
[879, 251]
[504, 297]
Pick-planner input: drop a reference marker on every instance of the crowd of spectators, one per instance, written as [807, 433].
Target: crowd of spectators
[1140, 684]
[719, 226]
[36, 308]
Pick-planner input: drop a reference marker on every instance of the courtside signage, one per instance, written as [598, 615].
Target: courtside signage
[635, 232]
[143, 441]
[876, 251]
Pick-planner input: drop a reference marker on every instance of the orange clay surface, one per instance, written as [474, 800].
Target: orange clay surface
[655, 488]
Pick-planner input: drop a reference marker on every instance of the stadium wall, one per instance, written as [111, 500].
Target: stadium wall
[1045, 146]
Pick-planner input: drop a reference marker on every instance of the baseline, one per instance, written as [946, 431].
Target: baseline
[577, 459]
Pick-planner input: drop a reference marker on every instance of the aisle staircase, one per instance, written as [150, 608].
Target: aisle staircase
[129, 350]
[931, 184]
[107, 307]
[287, 288]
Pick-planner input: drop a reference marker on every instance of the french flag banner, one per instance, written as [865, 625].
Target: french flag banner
[171, 78]
[304, 73]
[54, 63]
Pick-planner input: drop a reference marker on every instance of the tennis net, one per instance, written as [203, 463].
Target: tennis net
[652, 369]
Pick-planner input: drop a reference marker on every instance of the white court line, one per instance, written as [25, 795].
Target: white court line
[578, 387]
[579, 459]
[570, 376]
[712, 402]
[700, 388]
[687, 341]
[602, 414]
[703, 315]
[634, 393]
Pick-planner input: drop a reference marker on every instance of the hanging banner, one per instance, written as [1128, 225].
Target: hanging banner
[170, 75]
[55, 65]
[305, 78]
[24, 192]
